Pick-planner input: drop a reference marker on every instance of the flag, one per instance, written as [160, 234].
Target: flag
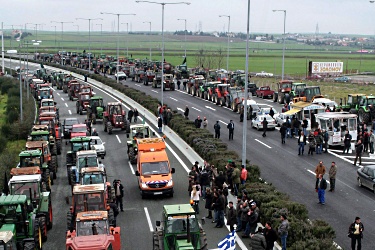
[6, 190]
[228, 243]
[183, 61]
[42, 66]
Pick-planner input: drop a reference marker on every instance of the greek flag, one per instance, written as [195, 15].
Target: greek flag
[228, 243]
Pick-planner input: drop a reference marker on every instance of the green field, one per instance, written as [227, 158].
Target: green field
[263, 56]
[3, 103]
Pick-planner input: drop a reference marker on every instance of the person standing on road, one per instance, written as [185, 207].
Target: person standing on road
[366, 140]
[205, 122]
[372, 140]
[198, 122]
[236, 179]
[283, 230]
[356, 233]
[283, 131]
[130, 115]
[217, 130]
[119, 192]
[88, 126]
[311, 140]
[301, 143]
[194, 196]
[169, 117]
[160, 124]
[319, 170]
[219, 206]
[265, 124]
[136, 115]
[231, 217]
[243, 175]
[208, 205]
[304, 126]
[347, 141]
[319, 142]
[258, 241]
[270, 235]
[230, 127]
[332, 176]
[272, 113]
[358, 152]
[238, 213]
[186, 113]
[94, 133]
[322, 186]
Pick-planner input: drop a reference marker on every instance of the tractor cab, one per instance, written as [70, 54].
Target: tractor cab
[95, 109]
[92, 175]
[307, 94]
[138, 131]
[45, 93]
[76, 144]
[83, 102]
[39, 133]
[30, 185]
[85, 159]
[114, 117]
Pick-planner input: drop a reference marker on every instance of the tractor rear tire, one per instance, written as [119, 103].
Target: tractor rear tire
[50, 217]
[105, 125]
[29, 245]
[37, 234]
[280, 98]
[275, 95]
[58, 147]
[54, 150]
[69, 223]
[131, 155]
[205, 96]
[234, 107]
[77, 107]
[72, 178]
[109, 127]
[158, 242]
[54, 165]
[222, 101]
[112, 193]
[47, 179]
[43, 228]
[203, 240]
[363, 116]
[93, 118]
[111, 218]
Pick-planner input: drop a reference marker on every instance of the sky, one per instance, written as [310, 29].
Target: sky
[302, 16]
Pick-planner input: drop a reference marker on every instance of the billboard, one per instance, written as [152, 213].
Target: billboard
[327, 67]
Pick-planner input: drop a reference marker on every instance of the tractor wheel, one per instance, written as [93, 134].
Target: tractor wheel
[54, 150]
[363, 116]
[111, 218]
[280, 98]
[234, 107]
[203, 240]
[44, 187]
[80, 110]
[227, 102]
[287, 98]
[208, 97]
[93, 118]
[43, 228]
[187, 90]
[50, 217]
[47, 179]
[105, 125]
[109, 126]
[58, 147]
[29, 245]
[275, 97]
[222, 101]
[53, 166]
[37, 234]
[205, 96]
[353, 111]
[51, 177]
[72, 178]
[131, 155]
[69, 221]
[113, 194]
[157, 240]
[127, 126]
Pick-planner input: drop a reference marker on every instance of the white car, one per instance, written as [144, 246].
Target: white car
[326, 102]
[264, 74]
[281, 118]
[257, 122]
[98, 145]
[266, 111]
[121, 75]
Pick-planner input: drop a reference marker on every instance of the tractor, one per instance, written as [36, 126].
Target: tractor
[196, 82]
[179, 229]
[41, 133]
[66, 81]
[139, 75]
[44, 93]
[49, 103]
[33, 159]
[221, 94]
[92, 197]
[282, 94]
[236, 96]
[138, 131]
[114, 117]
[149, 77]
[211, 91]
[76, 144]
[83, 102]
[202, 92]
[51, 160]
[156, 82]
[54, 128]
[168, 82]
[93, 232]
[30, 184]
[74, 89]
[362, 105]
[307, 94]
[182, 74]
[7, 240]
[95, 109]
[84, 159]
[19, 218]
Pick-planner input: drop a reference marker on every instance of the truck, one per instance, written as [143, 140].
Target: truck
[264, 92]
[154, 172]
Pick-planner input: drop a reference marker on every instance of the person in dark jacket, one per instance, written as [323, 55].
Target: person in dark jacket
[219, 180]
[356, 233]
[258, 241]
[208, 205]
[322, 186]
[283, 130]
[219, 206]
[198, 122]
[311, 140]
[272, 113]
[136, 114]
[217, 130]
[160, 124]
[301, 143]
[325, 140]
[130, 115]
[288, 127]
[347, 141]
[231, 216]
[296, 125]
[265, 124]
[366, 141]
[238, 213]
[113, 206]
[270, 235]
[186, 113]
[305, 122]
[119, 193]
[230, 127]
[204, 179]
[358, 152]
[319, 142]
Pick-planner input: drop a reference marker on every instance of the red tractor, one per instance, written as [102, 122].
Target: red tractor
[74, 89]
[149, 77]
[282, 94]
[115, 117]
[83, 102]
[221, 93]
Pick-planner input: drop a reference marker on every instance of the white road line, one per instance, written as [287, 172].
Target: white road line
[308, 170]
[140, 118]
[70, 112]
[210, 108]
[58, 93]
[118, 138]
[339, 156]
[174, 99]
[148, 220]
[154, 91]
[62, 99]
[196, 109]
[66, 104]
[223, 122]
[181, 109]
[137, 85]
[263, 104]
[269, 100]
[263, 143]
[131, 168]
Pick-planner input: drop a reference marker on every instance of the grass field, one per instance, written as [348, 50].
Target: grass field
[3, 102]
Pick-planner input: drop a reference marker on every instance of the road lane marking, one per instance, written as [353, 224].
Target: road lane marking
[223, 122]
[154, 91]
[118, 138]
[137, 85]
[70, 112]
[263, 143]
[66, 104]
[174, 99]
[263, 104]
[210, 108]
[196, 109]
[181, 109]
[131, 168]
[62, 99]
[58, 93]
[148, 220]
[310, 171]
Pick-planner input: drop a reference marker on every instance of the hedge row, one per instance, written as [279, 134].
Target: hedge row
[303, 233]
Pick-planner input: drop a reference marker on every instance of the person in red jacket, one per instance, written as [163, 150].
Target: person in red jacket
[243, 176]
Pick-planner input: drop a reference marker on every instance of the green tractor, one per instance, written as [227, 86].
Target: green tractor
[179, 229]
[76, 144]
[95, 109]
[138, 131]
[34, 158]
[41, 133]
[19, 218]
[38, 198]
[360, 104]
[7, 239]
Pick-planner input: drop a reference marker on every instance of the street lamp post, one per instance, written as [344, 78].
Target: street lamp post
[228, 40]
[101, 35]
[76, 25]
[62, 36]
[150, 43]
[118, 36]
[162, 34]
[36, 29]
[127, 45]
[180, 19]
[55, 33]
[89, 19]
[282, 67]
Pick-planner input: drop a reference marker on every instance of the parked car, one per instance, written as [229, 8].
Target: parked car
[98, 144]
[366, 177]
[121, 75]
[315, 77]
[67, 126]
[264, 74]
[342, 79]
[264, 92]
[266, 111]
[257, 122]
[281, 118]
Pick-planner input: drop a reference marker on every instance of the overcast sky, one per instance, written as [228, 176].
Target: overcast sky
[303, 16]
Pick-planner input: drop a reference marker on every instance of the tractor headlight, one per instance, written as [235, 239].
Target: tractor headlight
[170, 183]
[135, 149]
[144, 185]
